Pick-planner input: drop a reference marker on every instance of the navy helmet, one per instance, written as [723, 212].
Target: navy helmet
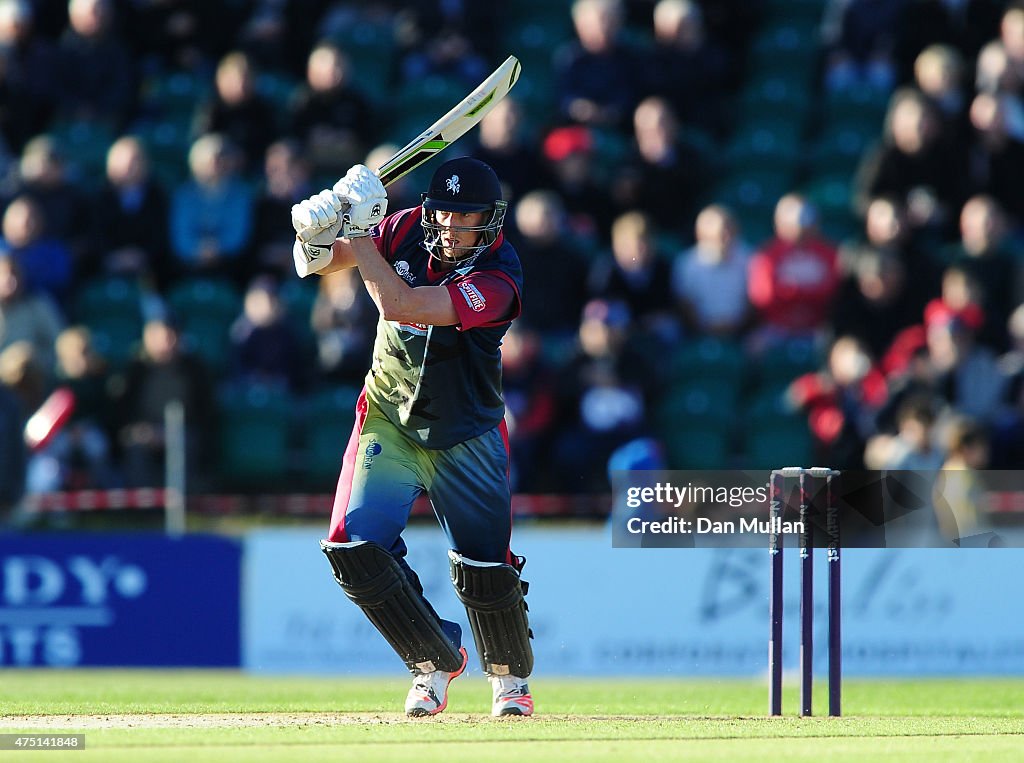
[463, 184]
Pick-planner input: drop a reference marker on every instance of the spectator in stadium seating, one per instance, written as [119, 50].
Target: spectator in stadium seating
[552, 264]
[265, 347]
[709, 280]
[959, 297]
[438, 38]
[44, 261]
[26, 316]
[938, 72]
[662, 176]
[211, 214]
[915, 446]
[966, 374]
[130, 217]
[97, 71]
[635, 275]
[331, 115]
[860, 41]
[597, 74]
[28, 78]
[984, 253]
[1008, 432]
[793, 277]
[44, 178]
[162, 373]
[449, 53]
[1011, 35]
[958, 494]
[179, 35]
[872, 304]
[528, 386]
[237, 111]
[343, 319]
[841, 402]
[995, 76]
[80, 455]
[570, 153]
[997, 156]
[888, 279]
[915, 166]
[286, 181]
[689, 69]
[21, 374]
[602, 396]
[502, 146]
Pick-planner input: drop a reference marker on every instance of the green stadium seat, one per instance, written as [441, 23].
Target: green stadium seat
[772, 145]
[206, 297]
[323, 431]
[774, 435]
[176, 93]
[205, 308]
[753, 196]
[774, 93]
[254, 438]
[85, 144]
[115, 297]
[115, 339]
[856, 105]
[840, 148]
[788, 48]
[782, 364]
[708, 358]
[697, 448]
[371, 47]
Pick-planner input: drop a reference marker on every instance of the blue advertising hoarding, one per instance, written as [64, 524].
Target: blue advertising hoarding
[132, 600]
[598, 610]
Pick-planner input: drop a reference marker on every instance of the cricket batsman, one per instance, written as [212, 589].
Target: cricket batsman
[430, 419]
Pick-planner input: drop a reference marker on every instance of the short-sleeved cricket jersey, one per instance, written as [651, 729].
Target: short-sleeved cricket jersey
[454, 393]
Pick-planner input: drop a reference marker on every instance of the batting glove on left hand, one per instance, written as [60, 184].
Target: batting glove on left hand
[367, 200]
[317, 221]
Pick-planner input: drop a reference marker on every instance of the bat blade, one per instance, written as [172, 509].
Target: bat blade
[52, 415]
[453, 125]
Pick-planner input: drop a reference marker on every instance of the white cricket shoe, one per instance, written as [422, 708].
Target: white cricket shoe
[429, 692]
[511, 696]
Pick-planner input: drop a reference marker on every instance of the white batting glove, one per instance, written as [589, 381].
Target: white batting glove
[367, 200]
[317, 222]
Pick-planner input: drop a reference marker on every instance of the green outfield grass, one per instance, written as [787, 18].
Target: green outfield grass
[227, 717]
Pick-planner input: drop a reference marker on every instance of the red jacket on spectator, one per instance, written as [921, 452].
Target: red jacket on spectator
[792, 284]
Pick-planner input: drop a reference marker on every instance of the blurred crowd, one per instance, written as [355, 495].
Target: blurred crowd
[693, 297]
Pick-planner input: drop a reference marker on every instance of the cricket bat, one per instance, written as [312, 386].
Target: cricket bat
[51, 417]
[453, 125]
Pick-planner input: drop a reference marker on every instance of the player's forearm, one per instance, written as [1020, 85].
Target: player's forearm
[395, 299]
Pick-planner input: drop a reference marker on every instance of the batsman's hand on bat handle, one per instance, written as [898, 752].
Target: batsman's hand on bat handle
[367, 201]
[317, 222]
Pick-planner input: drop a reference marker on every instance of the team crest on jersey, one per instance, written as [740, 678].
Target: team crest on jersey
[473, 296]
[452, 184]
[402, 268]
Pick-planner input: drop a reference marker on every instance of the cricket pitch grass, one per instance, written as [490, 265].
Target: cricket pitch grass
[223, 716]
